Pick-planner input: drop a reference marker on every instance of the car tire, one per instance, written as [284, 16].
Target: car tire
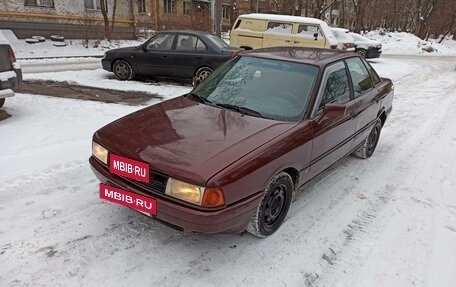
[203, 72]
[273, 208]
[122, 70]
[2, 102]
[367, 148]
[362, 53]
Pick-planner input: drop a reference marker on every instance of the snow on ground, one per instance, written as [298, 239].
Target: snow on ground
[75, 47]
[386, 221]
[409, 44]
[102, 79]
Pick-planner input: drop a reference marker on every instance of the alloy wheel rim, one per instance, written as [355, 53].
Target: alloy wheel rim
[122, 70]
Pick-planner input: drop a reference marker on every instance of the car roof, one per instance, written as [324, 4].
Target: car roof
[313, 56]
[276, 17]
[340, 29]
[187, 32]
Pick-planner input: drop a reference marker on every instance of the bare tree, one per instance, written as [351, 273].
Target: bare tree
[104, 12]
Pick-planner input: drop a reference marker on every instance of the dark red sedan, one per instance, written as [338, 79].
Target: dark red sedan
[228, 156]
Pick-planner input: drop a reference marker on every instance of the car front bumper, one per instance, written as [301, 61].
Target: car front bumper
[231, 219]
[374, 53]
[106, 64]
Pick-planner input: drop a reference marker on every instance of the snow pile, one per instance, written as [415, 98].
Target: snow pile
[406, 43]
[73, 48]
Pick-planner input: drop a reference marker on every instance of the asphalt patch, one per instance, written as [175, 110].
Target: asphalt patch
[71, 91]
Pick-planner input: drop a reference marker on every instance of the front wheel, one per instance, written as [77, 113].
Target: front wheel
[362, 53]
[273, 208]
[203, 72]
[367, 148]
[122, 70]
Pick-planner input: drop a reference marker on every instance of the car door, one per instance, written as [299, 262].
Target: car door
[333, 136]
[366, 96]
[189, 54]
[277, 34]
[154, 59]
[309, 36]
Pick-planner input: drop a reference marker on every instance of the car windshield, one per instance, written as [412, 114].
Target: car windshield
[218, 42]
[266, 88]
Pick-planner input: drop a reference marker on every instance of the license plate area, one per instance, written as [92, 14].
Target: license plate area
[143, 204]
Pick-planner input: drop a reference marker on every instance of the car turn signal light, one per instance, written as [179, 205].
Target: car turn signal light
[213, 197]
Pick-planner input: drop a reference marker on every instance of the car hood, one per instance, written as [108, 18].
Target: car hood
[125, 49]
[368, 42]
[188, 140]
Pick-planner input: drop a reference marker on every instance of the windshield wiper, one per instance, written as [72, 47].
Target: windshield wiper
[242, 110]
[200, 98]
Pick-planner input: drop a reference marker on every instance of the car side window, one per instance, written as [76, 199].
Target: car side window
[186, 43]
[162, 41]
[336, 87]
[200, 46]
[360, 76]
[309, 31]
[373, 74]
[277, 27]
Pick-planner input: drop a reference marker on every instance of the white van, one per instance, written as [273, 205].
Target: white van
[252, 31]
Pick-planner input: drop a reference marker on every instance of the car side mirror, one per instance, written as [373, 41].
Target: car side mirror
[335, 110]
[316, 36]
[195, 82]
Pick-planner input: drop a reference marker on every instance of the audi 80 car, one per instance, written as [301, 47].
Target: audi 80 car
[228, 156]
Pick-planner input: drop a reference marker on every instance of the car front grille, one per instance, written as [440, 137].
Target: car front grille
[157, 182]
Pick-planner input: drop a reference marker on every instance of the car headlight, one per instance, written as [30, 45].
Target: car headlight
[100, 152]
[206, 197]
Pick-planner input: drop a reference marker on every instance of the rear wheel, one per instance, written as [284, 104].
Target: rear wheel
[2, 102]
[122, 70]
[273, 208]
[368, 146]
[203, 72]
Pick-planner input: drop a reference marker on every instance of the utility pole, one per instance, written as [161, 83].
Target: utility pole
[218, 17]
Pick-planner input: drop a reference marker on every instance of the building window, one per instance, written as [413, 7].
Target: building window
[141, 6]
[39, 3]
[93, 4]
[169, 6]
[225, 11]
[187, 8]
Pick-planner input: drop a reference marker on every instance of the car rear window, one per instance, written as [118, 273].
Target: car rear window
[218, 42]
[278, 90]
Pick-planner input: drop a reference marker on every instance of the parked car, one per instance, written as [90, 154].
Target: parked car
[10, 72]
[252, 31]
[345, 41]
[366, 47]
[177, 54]
[228, 155]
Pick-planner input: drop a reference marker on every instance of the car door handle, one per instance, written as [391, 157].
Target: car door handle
[199, 57]
[297, 42]
[165, 56]
[287, 41]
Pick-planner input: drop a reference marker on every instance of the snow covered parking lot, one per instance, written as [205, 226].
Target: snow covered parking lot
[386, 221]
